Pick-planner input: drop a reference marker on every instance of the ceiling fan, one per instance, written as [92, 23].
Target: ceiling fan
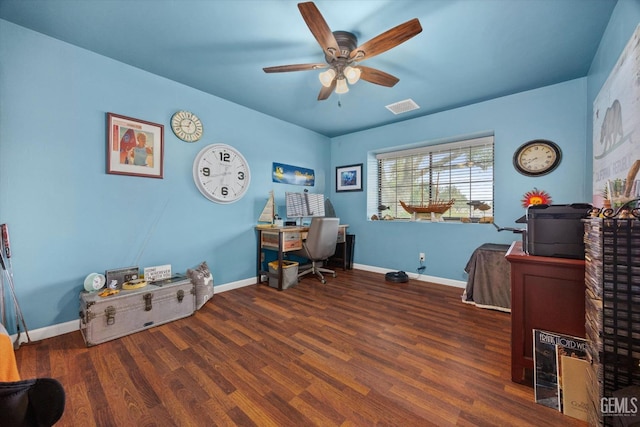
[343, 55]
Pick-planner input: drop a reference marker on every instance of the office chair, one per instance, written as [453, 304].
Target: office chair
[31, 403]
[319, 245]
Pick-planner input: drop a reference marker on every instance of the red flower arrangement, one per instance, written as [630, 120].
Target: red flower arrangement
[536, 197]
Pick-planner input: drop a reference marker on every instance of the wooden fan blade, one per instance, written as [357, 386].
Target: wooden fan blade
[378, 77]
[294, 67]
[319, 28]
[325, 92]
[387, 40]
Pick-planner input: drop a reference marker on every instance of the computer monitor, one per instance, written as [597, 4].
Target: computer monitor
[304, 205]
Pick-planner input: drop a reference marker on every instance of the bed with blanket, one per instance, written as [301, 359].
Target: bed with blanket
[489, 278]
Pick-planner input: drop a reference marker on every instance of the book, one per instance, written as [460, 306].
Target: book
[545, 374]
[575, 399]
[545, 364]
[568, 346]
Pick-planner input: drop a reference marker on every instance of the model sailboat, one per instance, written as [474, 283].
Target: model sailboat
[435, 206]
[268, 215]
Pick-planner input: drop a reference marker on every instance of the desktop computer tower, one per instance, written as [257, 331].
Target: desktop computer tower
[336, 259]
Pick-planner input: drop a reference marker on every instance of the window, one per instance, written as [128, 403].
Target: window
[461, 172]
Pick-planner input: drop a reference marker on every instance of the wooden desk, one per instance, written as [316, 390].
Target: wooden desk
[546, 293]
[286, 239]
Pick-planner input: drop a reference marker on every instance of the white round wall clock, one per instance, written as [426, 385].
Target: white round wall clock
[94, 282]
[187, 126]
[221, 173]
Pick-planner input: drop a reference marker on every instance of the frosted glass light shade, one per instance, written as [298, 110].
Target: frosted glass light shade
[352, 74]
[326, 77]
[341, 86]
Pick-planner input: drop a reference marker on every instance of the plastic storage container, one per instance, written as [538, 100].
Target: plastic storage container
[289, 274]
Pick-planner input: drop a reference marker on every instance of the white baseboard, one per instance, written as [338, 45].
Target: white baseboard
[234, 285]
[414, 276]
[48, 331]
[74, 325]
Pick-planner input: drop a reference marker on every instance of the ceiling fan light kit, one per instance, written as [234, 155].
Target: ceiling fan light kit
[352, 74]
[342, 53]
[326, 77]
[341, 86]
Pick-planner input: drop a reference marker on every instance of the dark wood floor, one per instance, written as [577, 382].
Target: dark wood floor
[357, 351]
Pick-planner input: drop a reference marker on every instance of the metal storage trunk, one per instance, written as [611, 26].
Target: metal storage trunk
[106, 318]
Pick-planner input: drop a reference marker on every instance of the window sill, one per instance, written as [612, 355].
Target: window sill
[438, 221]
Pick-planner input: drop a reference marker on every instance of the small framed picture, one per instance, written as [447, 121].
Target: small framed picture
[349, 178]
[134, 147]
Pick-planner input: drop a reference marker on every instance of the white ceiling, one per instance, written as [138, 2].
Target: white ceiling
[468, 51]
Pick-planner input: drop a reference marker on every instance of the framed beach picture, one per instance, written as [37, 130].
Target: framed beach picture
[134, 147]
[349, 178]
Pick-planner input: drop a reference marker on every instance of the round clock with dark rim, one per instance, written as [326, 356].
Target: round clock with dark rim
[221, 173]
[187, 126]
[537, 157]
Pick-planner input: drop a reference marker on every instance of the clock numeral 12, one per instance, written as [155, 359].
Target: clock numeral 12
[225, 157]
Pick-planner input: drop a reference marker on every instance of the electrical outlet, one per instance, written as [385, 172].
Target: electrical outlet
[421, 256]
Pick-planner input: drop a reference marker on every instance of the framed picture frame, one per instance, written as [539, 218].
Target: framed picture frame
[349, 178]
[134, 147]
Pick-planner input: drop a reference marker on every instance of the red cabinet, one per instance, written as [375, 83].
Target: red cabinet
[546, 293]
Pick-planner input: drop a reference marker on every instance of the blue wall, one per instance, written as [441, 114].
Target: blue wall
[557, 113]
[68, 218]
[562, 113]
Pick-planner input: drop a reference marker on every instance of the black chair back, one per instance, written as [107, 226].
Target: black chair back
[31, 403]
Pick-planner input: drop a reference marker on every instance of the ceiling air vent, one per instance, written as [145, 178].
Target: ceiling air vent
[403, 106]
